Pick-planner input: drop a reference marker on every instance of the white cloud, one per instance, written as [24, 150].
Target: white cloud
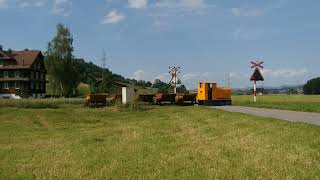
[137, 4]
[113, 17]
[165, 77]
[193, 3]
[160, 25]
[138, 75]
[191, 80]
[247, 34]
[3, 4]
[246, 12]
[186, 4]
[195, 77]
[21, 3]
[62, 7]
[168, 8]
[31, 3]
[270, 74]
[284, 73]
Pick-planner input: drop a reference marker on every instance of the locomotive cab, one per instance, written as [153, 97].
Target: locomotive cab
[210, 94]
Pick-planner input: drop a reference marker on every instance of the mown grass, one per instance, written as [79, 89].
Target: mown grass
[160, 143]
[286, 102]
[40, 103]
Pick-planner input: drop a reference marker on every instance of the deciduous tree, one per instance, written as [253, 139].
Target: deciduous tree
[63, 72]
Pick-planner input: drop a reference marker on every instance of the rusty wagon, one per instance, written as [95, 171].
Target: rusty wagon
[96, 100]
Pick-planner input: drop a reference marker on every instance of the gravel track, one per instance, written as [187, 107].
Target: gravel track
[293, 116]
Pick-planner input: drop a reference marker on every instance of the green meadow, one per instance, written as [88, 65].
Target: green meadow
[167, 142]
[287, 102]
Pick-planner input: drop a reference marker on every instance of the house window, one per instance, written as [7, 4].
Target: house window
[17, 84]
[1, 62]
[17, 73]
[37, 85]
[37, 75]
[6, 85]
[31, 85]
[31, 74]
[6, 74]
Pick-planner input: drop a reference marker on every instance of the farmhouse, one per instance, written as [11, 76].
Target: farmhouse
[22, 74]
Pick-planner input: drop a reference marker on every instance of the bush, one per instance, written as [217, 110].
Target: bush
[118, 106]
[134, 106]
[130, 107]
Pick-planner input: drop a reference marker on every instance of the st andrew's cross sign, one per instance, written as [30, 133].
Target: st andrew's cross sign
[256, 76]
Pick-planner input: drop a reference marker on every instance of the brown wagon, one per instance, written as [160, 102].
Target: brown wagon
[96, 100]
[186, 98]
[164, 98]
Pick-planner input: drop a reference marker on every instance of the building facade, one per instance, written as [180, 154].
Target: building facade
[22, 74]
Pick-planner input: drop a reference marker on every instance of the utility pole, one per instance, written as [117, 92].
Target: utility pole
[228, 80]
[173, 71]
[104, 59]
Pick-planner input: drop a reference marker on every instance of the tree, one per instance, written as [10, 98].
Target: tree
[292, 91]
[141, 83]
[182, 89]
[148, 84]
[105, 86]
[162, 86]
[312, 87]
[63, 72]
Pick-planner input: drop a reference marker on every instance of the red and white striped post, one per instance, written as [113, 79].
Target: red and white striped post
[254, 91]
[256, 76]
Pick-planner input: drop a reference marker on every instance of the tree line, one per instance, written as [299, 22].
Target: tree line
[65, 72]
[312, 87]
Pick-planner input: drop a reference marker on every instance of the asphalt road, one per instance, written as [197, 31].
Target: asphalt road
[293, 116]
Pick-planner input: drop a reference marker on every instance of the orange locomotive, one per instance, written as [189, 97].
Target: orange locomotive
[210, 94]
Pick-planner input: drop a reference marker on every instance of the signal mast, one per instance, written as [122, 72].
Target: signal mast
[256, 76]
[174, 81]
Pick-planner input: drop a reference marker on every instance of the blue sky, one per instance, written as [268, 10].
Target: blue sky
[207, 38]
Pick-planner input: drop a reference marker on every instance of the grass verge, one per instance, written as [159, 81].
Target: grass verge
[39, 103]
[163, 143]
[285, 102]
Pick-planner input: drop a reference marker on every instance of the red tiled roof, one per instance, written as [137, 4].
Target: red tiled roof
[23, 58]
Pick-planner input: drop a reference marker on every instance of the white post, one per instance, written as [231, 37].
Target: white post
[254, 91]
[175, 84]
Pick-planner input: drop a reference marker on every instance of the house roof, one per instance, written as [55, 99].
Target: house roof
[23, 58]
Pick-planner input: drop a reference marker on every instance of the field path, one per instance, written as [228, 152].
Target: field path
[293, 116]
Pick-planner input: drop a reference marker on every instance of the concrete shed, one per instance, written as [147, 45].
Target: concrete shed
[128, 94]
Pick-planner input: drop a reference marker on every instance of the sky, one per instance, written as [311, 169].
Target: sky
[210, 40]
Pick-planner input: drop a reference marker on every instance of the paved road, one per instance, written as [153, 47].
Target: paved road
[293, 116]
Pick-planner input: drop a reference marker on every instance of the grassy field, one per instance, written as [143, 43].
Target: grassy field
[41, 103]
[169, 142]
[288, 102]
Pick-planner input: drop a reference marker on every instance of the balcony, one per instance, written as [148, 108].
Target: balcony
[14, 79]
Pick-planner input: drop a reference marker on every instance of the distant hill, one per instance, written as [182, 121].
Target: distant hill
[95, 79]
[91, 73]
